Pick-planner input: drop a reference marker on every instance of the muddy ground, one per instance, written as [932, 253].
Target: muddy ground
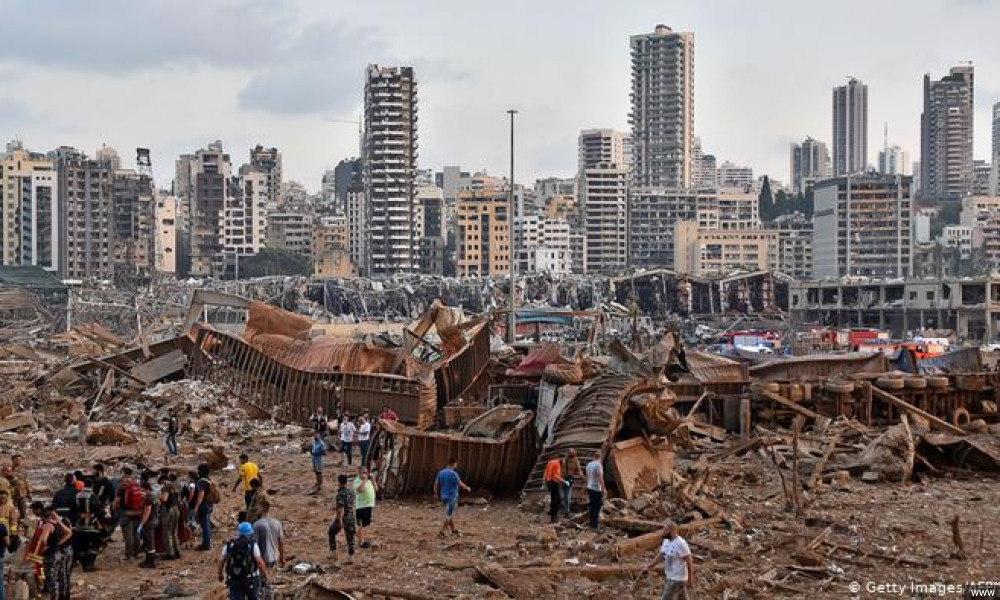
[752, 556]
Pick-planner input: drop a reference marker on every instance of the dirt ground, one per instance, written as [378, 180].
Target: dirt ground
[753, 559]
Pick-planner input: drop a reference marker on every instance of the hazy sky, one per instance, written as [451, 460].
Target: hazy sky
[175, 74]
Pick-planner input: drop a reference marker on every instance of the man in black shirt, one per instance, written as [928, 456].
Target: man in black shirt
[64, 501]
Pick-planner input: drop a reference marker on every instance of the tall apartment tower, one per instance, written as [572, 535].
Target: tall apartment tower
[86, 200]
[31, 223]
[211, 171]
[946, 134]
[603, 193]
[995, 154]
[809, 163]
[268, 162]
[390, 165]
[662, 111]
[850, 128]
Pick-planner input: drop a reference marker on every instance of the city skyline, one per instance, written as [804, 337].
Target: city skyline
[165, 83]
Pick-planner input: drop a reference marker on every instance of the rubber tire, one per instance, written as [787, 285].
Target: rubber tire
[890, 383]
[845, 387]
[960, 417]
[915, 383]
[939, 383]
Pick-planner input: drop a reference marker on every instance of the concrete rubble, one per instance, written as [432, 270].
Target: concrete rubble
[789, 476]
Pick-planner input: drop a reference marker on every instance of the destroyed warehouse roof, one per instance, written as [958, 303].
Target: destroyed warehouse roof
[29, 277]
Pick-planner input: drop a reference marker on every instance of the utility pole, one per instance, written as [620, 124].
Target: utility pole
[512, 324]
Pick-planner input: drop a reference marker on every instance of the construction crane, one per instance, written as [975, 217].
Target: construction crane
[361, 135]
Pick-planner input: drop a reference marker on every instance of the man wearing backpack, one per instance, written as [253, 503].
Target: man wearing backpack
[206, 497]
[242, 567]
[129, 503]
[148, 523]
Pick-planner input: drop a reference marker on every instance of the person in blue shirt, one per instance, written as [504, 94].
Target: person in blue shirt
[446, 487]
[317, 451]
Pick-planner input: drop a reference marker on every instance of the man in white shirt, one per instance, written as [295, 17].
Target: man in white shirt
[348, 433]
[364, 437]
[678, 564]
[595, 491]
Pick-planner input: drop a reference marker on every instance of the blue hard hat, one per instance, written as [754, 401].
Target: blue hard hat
[246, 528]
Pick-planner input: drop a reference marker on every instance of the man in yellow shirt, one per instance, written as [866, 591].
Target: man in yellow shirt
[248, 471]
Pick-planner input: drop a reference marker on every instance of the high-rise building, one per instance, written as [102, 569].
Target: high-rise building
[995, 154]
[893, 160]
[850, 128]
[166, 234]
[31, 219]
[268, 162]
[86, 197]
[210, 173]
[347, 174]
[390, 164]
[652, 217]
[603, 193]
[704, 168]
[357, 230]
[946, 134]
[133, 212]
[809, 162]
[291, 228]
[862, 226]
[662, 108]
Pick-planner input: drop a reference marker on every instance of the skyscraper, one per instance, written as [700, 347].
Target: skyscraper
[603, 188]
[946, 134]
[268, 162]
[850, 128]
[390, 164]
[662, 112]
[893, 160]
[85, 198]
[995, 154]
[809, 163]
[31, 228]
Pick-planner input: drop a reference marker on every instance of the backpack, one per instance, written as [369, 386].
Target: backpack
[212, 495]
[240, 564]
[134, 498]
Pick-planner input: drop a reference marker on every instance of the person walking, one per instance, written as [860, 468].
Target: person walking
[364, 437]
[206, 496]
[148, 523]
[258, 495]
[128, 505]
[56, 548]
[446, 487]
[248, 471]
[344, 518]
[173, 430]
[19, 483]
[83, 431]
[678, 564]
[595, 491]
[241, 566]
[317, 450]
[271, 539]
[170, 517]
[554, 482]
[364, 491]
[348, 433]
[571, 472]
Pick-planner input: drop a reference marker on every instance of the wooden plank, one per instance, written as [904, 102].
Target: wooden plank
[913, 410]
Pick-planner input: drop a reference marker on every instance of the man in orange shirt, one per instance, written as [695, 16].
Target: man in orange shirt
[554, 482]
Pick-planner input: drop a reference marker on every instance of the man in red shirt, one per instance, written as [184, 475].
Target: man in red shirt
[554, 482]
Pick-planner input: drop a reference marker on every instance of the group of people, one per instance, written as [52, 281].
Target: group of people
[561, 473]
[350, 431]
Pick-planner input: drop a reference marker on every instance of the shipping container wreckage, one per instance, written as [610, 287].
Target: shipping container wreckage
[630, 411]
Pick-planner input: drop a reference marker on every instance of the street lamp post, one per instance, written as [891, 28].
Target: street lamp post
[512, 324]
